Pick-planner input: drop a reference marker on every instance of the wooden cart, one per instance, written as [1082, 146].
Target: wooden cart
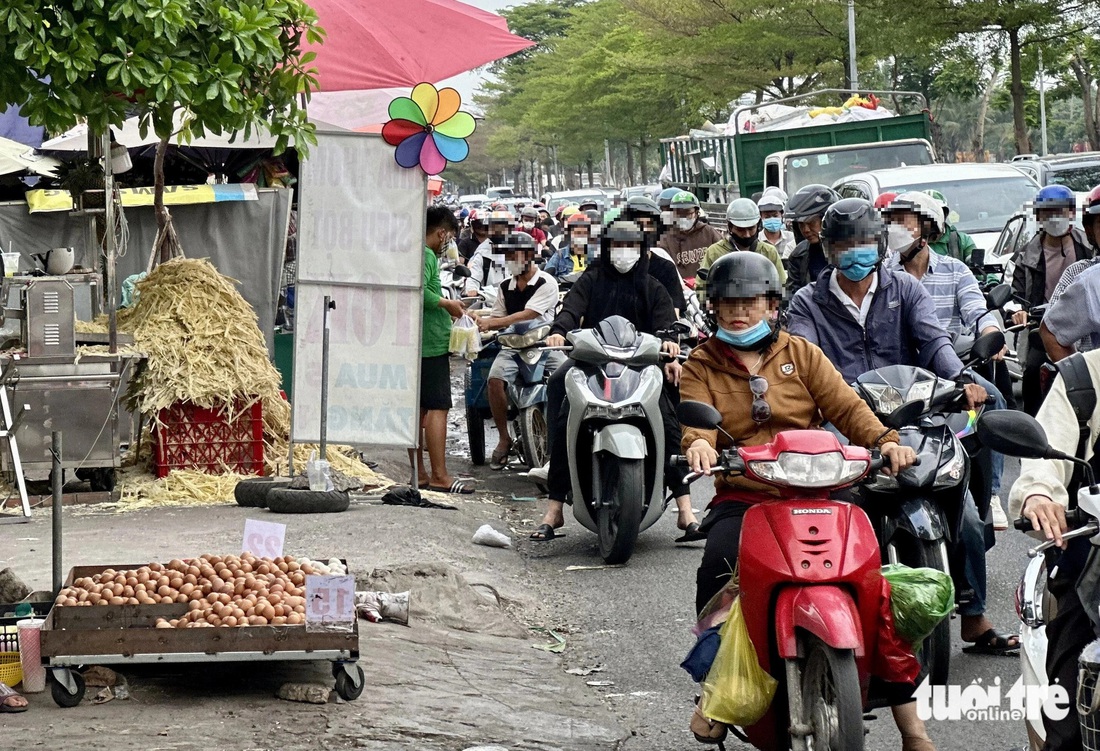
[126, 635]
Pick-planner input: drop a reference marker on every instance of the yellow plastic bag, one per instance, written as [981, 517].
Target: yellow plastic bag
[737, 691]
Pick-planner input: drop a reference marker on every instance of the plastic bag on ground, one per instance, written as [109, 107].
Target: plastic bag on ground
[737, 691]
[920, 598]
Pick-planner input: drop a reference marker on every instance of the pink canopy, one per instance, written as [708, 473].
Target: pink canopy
[377, 44]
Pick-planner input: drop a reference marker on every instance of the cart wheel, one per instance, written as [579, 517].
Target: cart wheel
[60, 691]
[345, 686]
[103, 480]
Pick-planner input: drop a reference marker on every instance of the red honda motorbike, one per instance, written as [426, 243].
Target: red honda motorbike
[811, 586]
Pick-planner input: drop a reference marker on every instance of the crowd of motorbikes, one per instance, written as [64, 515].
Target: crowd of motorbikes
[806, 576]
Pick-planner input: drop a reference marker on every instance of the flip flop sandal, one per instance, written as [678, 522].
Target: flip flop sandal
[545, 533]
[994, 643]
[458, 487]
[691, 533]
[708, 731]
[499, 460]
[6, 692]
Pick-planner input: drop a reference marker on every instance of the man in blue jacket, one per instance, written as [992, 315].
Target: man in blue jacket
[865, 317]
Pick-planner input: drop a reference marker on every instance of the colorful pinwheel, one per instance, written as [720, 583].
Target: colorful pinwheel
[428, 129]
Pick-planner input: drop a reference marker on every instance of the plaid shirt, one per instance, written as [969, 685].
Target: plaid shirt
[959, 301]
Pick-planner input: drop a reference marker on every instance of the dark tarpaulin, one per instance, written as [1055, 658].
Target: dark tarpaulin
[245, 240]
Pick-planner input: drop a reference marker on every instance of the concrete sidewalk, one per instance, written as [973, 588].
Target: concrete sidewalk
[464, 674]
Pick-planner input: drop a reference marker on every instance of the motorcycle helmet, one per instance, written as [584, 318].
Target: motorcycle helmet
[927, 209]
[664, 198]
[852, 220]
[517, 241]
[809, 201]
[1055, 197]
[884, 200]
[1091, 212]
[772, 199]
[741, 274]
[743, 213]
[578, 219]
[643, 205]
[685, 199]
[646, 213]
[622, 231]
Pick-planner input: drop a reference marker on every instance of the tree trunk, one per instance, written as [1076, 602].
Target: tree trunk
[1085, 80]
[591, 180]
[978, 142]
[167, 244]
[629, 164]
[1019, 121]
[641, 161]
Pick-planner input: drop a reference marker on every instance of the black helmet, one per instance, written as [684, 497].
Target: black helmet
[809, 201]
[742, 273]
[623, 230]
[853, 219]
[517, 241]
[642, 205]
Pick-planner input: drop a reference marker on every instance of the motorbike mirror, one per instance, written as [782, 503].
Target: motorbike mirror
[699, 415]
[702, 274]
[1015, 434]
[461, 271]
[987, 345]
[906, 414]
[999, 296]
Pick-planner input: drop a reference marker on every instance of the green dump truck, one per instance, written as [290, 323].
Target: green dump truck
[719, 168]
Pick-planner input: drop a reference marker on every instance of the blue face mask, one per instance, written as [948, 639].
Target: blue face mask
[747, 338]
[775, 224]
[857, 263]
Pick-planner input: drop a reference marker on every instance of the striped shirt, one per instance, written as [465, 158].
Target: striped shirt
[960, 304]
[1069, 276]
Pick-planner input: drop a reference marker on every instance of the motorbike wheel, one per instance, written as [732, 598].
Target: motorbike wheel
[475, 432]
[832, 704]
[533, 434]
[935, 650]
[619, 506]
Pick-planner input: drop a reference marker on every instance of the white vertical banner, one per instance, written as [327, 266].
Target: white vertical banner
[360, 242]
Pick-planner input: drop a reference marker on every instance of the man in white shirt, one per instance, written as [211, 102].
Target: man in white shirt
[528, 298]
[487, 264]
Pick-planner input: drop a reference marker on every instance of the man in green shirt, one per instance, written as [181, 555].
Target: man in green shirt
[435, 366]
[952, 242]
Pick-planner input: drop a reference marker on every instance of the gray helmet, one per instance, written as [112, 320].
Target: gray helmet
[743, 213]
[517, 241]
[623, 230]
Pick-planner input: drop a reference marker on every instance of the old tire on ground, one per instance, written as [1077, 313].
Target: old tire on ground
[290, 501]
[252, 493]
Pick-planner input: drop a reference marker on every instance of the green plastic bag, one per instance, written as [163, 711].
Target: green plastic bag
[737, 691]
[920, 598]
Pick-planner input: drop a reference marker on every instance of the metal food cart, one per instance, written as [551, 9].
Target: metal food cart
[126, 635]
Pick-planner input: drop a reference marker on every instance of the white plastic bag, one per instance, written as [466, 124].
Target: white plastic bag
[465, 338]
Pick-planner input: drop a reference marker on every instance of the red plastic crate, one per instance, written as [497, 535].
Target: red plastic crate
[192, 437]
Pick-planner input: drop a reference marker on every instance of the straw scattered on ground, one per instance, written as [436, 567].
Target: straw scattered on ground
[181, 487]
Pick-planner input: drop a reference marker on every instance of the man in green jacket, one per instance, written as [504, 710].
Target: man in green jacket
[743, 226]
[435, 366]
[952, 242]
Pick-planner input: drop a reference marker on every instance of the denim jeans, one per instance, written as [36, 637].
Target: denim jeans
[998, 403]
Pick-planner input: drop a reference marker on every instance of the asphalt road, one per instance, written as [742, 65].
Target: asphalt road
[635, 622]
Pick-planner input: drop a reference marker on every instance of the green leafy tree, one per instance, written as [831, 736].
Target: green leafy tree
[216, 66]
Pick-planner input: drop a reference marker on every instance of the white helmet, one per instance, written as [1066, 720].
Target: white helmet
[743, 213]
[772, 199]
[924, 206]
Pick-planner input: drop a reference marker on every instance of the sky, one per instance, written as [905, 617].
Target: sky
[467, 83]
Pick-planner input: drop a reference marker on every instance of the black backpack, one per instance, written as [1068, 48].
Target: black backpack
[1081, 394]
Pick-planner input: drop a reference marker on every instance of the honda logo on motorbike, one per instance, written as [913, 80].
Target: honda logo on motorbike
[802, 511]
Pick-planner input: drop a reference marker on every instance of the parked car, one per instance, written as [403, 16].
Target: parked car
[984, 196]
[1078, 172]
[499, 192]
[473, 200]
[552, 201]
[650, 191]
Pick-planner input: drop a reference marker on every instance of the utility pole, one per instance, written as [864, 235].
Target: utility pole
[1042, 103]
[853, 74]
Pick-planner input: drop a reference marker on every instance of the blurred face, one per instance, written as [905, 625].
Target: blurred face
[745, 233]
[647, 224]
[685, 217]
[811, 229]
[498, 231]
[1043, 214]
[439, 238]
[771, 214]
[481, 232]
[740, 313]
[516, 261]
[578, 239]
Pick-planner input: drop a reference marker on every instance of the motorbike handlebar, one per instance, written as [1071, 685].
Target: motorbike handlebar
[1074, 518]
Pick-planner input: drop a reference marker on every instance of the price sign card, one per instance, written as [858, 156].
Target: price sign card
[263, 539]
[330, 600]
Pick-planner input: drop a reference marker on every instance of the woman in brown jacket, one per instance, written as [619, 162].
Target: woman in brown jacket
[765, 381]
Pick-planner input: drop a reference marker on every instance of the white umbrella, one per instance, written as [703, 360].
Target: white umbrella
[129, 135]
[17, 157]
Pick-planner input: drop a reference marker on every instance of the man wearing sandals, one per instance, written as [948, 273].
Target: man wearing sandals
[435, 359]
[526, 299]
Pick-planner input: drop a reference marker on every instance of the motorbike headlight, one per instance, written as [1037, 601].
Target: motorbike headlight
[885, 397]
[951, 473]
[608, 412]
[920, 391]
[829, 470]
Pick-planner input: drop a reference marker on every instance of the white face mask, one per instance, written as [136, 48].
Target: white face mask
[528, 225]
[899, 238]
[624, 259]
[578, 243]
[1056, 226]
[515, 267]
[686, 223]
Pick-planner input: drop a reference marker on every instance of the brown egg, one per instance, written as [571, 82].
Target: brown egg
[156, 567]
[164, 590]
[175, 582]
[306, 569]
[187, 589]
[283, 567]
[176, 564]
[127, 591]
[278, 620]
[256, 620]
[267, 612]
[167, 599]
[294, 619]
[190, 579]
[131, 581]
[117, 601]
[143, 577]
[161, 623]
[71, 602]
[229, 621]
